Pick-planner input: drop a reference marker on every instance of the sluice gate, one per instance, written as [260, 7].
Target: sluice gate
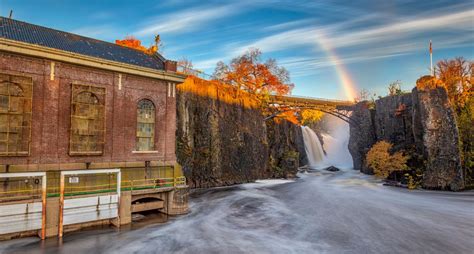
[51, 203]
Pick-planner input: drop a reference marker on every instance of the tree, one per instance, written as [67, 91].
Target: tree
[382, 162]
[394, 88]
[363, 95]
[220, 72]
[247, 72]
[132, 42]
[186, 66]
[457, 76]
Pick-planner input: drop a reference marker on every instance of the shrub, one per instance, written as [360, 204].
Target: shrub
[382, 162]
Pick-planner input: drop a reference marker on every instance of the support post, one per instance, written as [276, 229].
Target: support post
[61, 205]
[43, 211]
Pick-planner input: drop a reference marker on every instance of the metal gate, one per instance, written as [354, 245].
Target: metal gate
[86, 203]
[23, 207]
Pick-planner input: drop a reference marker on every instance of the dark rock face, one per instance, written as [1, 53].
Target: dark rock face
[422, 124]
[362, 136]
[393, 120]
[286, 149]
[440, 141]
[221, 144]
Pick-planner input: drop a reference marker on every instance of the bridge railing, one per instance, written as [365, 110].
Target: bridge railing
[307, 99]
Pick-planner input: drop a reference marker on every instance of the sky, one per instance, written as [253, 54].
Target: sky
[332, 49]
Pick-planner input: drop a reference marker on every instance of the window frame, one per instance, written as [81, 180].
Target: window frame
[28, 81]
[153, 138]
[104, 121]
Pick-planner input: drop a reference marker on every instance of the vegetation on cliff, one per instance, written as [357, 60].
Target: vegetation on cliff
[216, 90]
[383, 162]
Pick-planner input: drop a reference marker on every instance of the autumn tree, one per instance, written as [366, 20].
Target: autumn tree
[309, 116]
[247, 72]
[457, 76]
[185, 66]
[382, 162]
[132, 42]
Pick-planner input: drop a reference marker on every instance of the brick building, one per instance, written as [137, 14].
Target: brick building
[69, 102]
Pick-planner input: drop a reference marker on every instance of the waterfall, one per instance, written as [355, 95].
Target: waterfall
[313, 148]
[335, 144]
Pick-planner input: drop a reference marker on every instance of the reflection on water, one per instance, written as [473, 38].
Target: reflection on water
[341, 212]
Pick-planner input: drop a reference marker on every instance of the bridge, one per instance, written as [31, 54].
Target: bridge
[338, 108]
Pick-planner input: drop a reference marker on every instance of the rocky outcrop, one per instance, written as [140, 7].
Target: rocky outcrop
[219, 143]
[223, 139]
[362, 135]
[422, 124]
[286, 148]
[393, 120]
[440, 141]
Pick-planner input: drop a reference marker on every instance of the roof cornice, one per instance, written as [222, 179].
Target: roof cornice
[28, 49]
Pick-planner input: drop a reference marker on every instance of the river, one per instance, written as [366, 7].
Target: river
[320, 212]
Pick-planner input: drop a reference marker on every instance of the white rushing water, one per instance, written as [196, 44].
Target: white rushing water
[335, 144]
[313, 147]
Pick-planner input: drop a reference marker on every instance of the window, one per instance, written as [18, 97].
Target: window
[145, 126]
[15, 115]
[87, 120]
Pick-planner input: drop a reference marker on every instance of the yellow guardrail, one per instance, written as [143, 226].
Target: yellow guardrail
[139, 184]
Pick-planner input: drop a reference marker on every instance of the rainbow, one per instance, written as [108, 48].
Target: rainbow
[343, 74]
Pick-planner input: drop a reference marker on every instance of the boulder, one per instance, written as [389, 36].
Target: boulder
[332, 169]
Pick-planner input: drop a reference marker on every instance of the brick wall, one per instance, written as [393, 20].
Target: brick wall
[51, 112]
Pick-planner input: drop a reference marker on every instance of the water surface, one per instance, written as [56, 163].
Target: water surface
[322, 212]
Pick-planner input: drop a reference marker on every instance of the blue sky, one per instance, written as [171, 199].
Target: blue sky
[377, 42]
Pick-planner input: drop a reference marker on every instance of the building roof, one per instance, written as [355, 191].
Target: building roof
[25, 32]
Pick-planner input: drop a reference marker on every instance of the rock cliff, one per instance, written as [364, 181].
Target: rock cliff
[223, 139]
[440, 141]
[421, 123]
[362, 135]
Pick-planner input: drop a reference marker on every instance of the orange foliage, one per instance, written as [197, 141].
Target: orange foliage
[290, 116]
[428, 82]
[457, 76]
[218, 91]
[382, 162]
[311, 116]
[248, 73]
[132, 42]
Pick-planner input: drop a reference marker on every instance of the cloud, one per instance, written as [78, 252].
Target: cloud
[188, 20]
[340, 37]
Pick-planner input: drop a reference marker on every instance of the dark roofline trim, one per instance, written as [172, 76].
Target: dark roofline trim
[161, 57]
[35, 50]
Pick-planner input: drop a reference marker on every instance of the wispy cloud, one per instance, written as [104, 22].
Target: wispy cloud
[188, 20]
[340, 37]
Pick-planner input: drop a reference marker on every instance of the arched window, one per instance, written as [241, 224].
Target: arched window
[145, 140]
[15, 114]
[87, 120]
